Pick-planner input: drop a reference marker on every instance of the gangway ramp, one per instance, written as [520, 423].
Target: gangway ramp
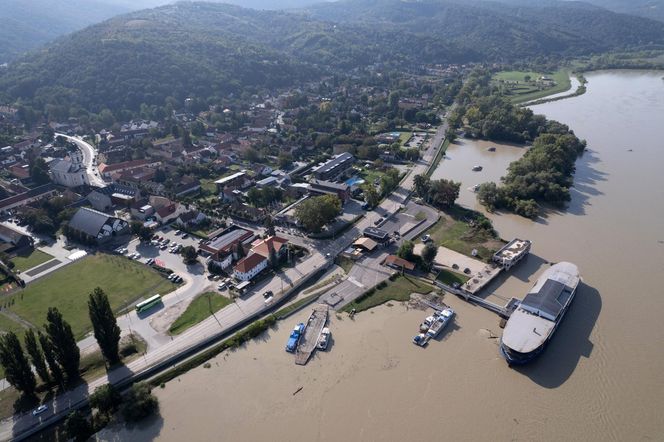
[314, 326]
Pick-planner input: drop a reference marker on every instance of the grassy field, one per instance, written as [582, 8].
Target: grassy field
[35, 258]
[460, 237]
[124, 282]
[397, 290]
[527, 91]
[200, 308]
[404, 137]
[208, 185]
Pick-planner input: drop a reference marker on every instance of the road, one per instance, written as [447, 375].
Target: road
[162, 347]
[89, 154]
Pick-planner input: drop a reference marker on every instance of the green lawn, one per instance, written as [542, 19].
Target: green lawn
[31, 260]
[404, 137]
[458, 236]
[200, 308]
[528, 91]
[516, 75]
[397, 290]
[449, 278]
[209, 185]
[123, 280]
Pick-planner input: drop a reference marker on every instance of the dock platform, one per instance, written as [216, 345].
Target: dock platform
[314, 326]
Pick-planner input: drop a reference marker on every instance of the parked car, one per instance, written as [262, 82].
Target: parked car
[163, 247]
[185, 235]
[268, 294]
[150, 261]
[379, 220]
[222, 286]
[178, 232]
[426, 238]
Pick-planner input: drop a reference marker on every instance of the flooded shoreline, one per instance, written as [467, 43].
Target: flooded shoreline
[599, 379]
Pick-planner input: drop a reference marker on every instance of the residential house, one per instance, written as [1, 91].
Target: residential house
[14, 240]
[107, 169]
[247, 268]
[32, 195]
[265, 246]
[188, 184]
[329, 188]
[239, 180]
[104, 198]
[190, 218]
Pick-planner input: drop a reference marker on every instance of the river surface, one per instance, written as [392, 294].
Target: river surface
[601, 378]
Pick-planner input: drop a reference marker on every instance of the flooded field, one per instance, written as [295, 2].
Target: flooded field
[601, 378]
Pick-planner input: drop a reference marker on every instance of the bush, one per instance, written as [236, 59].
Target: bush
[78, 427]
[106, 399]
[139, 403]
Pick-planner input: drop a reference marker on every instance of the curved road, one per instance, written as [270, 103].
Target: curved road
[89, 154]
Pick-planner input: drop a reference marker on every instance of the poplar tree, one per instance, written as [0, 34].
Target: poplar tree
[107, 332]
[17, 368]
[49, 356]
[65, 349]
[36, 356]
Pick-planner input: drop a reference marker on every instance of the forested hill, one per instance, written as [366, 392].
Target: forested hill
[503, 29]
[209, 49]
[26, 24]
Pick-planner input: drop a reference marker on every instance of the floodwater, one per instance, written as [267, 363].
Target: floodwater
[601, 378]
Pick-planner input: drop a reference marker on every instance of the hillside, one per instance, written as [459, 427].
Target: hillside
[516, 28]
[28, 24]
[209, 49]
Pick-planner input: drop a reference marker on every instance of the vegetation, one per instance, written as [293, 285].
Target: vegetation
[544, 174]
[406, 250]
[139, 403]
[68, 289]
[105, 326]
[451, 278]
[240, 50]
[36, 356]
[78, 427]
[429, 254]
[398, 290]
[202, 307]
[106, 399]
[16, 365]
[63, 343]
[316, 212]
[189, 255]
[25, 262]
[440, 193]
[522, 86]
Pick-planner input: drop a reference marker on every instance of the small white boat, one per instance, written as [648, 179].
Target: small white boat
[477, 168]
[324, 339]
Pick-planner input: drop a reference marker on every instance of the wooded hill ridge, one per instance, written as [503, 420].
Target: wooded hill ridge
[209, 50]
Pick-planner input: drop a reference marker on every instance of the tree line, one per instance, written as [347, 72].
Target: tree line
[53, 351]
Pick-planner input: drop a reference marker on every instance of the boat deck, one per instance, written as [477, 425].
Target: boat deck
[308, 342]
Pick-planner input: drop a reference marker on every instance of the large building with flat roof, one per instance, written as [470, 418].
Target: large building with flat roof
[221, 249]
[334, 168]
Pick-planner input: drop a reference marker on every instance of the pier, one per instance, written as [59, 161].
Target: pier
[314, 326]
[503, 260]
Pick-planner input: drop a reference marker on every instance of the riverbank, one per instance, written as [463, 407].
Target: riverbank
[580, 90]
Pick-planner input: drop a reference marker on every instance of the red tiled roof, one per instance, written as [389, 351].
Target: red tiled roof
[263, 247]
[399, 262]
[248, 263]
[107, 168]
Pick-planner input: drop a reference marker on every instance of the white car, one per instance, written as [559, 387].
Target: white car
[39, 410]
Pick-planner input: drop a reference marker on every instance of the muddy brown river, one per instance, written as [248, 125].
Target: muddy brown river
[601, 378]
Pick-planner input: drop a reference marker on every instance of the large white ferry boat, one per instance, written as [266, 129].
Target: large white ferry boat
[533, 323]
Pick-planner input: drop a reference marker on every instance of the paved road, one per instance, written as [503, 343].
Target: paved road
[322, 253]
[89, 154]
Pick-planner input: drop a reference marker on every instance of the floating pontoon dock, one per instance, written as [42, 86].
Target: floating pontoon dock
[314, 326]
